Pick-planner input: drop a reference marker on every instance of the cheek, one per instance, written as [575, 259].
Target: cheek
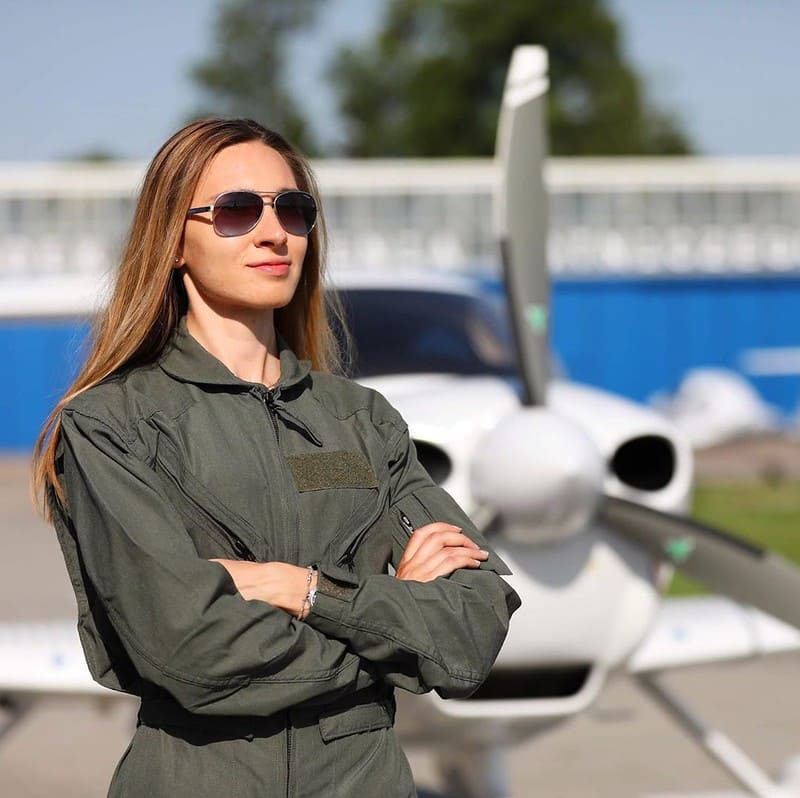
[300, 247]
[208, 254]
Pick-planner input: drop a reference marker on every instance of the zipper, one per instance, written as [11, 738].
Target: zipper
[269, 403]
[267, 398]
[348, 557]
[210, 524]
[289, 736]
[406, 522]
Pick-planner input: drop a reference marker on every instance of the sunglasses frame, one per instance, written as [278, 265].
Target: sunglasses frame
[263, 195]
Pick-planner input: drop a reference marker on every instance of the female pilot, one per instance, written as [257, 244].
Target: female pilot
[255, 550]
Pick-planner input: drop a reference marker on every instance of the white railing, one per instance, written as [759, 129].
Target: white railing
[607, 216]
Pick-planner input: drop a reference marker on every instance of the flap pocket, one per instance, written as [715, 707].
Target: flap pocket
[360, 718]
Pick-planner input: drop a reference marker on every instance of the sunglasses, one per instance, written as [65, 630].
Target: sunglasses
[234, 213]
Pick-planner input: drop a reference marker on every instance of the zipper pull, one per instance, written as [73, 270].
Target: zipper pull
[406, 521]
[242, 550]
[280, 407]
[347, 560]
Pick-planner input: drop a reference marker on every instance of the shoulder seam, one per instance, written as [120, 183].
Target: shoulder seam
[73, 411]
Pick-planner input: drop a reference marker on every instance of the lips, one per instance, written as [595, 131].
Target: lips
[271, 266]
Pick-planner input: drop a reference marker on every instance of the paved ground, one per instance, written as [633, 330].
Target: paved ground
[757, 457]
[624, 746]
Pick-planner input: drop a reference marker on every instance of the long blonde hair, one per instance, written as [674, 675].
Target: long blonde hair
[148, 297]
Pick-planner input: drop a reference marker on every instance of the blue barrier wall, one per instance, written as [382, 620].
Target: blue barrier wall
[38, 360]
[636, 337]
[632, 337]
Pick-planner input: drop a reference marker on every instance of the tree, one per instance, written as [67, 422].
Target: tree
[98, 154]
[245, 76]
[431, 82]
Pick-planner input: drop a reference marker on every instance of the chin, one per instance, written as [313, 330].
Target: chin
[273, 302]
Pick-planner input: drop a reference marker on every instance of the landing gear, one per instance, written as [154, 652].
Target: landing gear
[716, 744]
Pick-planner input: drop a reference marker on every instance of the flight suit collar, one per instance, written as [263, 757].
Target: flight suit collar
[185, 359]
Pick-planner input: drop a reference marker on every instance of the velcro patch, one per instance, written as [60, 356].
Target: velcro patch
[340, 469]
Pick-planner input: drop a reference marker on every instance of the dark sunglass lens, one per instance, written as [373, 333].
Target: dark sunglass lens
[296, 211]
[237, 212]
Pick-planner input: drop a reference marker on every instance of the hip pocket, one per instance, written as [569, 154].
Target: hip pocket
[362, 753]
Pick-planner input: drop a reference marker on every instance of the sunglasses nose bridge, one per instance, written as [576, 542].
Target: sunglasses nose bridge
[268, 215]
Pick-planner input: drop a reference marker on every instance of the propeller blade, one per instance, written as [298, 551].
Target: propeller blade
[725, 563]
[521, 214]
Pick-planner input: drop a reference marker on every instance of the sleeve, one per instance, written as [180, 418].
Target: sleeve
[444, 634]
[179, 617]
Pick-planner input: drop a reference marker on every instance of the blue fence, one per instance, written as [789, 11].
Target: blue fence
[636, 337]
[631, 336]
[38, 360]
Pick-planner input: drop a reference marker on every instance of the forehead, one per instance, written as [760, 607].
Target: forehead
[247, 165]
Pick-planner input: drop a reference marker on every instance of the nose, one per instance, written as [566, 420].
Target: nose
[268, 231]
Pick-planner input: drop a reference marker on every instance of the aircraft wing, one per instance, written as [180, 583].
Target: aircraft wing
[705, 629]
[44, 657]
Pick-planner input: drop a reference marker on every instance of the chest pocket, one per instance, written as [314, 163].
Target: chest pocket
[344, 490]
[215, 529]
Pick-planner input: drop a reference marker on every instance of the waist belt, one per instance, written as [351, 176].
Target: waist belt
[372, 708]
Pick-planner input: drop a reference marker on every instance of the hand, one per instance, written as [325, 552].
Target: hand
[438, 549]
[278, 583]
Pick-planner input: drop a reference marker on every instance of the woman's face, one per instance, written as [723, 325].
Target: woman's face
[241, 276]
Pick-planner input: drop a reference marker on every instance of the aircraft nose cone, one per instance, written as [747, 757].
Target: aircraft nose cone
[541, 473]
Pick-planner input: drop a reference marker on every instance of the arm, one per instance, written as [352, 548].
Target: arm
[179, 617]
[443, 634]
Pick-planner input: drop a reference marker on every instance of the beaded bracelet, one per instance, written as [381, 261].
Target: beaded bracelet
[311, 593]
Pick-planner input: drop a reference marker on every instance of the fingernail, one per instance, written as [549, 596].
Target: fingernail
[484, 553]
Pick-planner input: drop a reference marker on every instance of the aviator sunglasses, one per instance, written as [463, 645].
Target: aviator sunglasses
[234, 213]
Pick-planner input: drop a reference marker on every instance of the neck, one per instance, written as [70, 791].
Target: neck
[246, 343]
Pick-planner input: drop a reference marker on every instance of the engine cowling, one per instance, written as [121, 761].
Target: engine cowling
[541, 473]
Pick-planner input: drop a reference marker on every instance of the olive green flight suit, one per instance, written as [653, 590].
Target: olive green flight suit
[169, 464]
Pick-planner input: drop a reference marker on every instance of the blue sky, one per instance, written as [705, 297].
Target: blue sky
[92, 74]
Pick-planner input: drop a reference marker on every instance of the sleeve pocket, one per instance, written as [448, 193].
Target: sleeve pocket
[433, 503]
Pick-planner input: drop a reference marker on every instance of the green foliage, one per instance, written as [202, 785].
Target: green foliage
[246, 74]
[431, 83]
[764, 513]
[98, 155]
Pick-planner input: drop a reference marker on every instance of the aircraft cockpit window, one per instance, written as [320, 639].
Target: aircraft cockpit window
[406, 331]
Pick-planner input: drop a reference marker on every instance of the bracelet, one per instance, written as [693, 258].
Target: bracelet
[311, 592]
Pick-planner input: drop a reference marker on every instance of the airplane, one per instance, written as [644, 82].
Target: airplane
[582, 493]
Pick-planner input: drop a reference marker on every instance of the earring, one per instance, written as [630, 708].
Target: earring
[177, 259]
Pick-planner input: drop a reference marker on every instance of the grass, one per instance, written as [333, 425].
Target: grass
[766, 513]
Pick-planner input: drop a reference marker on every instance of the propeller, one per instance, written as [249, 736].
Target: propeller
[720, 560]
[521, 214]
[725, 563]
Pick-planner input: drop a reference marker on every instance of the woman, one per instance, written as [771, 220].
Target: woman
[229, 512]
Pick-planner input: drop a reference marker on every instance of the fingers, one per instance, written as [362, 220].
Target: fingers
[429, 533]
[444, 563]
[437, 542]
[437, 550]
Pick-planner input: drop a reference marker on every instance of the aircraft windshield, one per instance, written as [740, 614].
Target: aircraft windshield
[408, 331]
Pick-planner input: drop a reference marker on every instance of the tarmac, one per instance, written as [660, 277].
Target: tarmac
[624, 746]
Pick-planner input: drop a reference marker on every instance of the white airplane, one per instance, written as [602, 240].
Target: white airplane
[582, 493]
